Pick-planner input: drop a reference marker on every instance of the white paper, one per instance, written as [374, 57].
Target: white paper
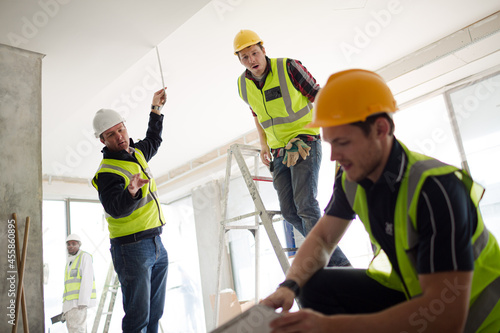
[254, 320]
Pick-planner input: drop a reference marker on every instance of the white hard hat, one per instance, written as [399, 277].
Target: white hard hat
[73, 237]
[104, 119]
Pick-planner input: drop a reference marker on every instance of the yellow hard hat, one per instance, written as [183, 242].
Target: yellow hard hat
[351, 96]
[244, 39]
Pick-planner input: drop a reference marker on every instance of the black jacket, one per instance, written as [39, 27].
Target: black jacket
[115, 199]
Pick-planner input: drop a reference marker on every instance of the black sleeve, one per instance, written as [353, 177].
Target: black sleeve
[446, 221]
[149, 146]
[338, 205]
[116, 200]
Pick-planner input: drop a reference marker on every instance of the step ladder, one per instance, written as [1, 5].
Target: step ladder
[111, 286]
[262, 216]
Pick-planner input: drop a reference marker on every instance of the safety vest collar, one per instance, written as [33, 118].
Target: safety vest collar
[279, 65]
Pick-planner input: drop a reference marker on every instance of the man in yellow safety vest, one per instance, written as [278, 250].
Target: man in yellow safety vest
[279, 93]
[436, 266]
[128, 194]
[79, 286]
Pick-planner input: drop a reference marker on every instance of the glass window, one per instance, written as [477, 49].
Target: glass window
[88, 221]
[183, 304]
[183, 307]
[54, 260]
[425, 128]
[477, 111]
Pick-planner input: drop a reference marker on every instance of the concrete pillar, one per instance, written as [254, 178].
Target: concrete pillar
[207, 215]
[21, 180]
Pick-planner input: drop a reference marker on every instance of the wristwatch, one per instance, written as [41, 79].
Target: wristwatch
[155, 107]
[292, 285]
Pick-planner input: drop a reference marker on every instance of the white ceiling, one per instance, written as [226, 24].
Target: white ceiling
[101, 54]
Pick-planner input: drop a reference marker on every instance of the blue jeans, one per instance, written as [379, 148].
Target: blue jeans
[142, 270]
[297, 188]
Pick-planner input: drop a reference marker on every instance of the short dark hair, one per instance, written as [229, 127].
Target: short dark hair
[366, 125]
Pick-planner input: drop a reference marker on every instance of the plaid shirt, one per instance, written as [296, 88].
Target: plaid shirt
[301, 79]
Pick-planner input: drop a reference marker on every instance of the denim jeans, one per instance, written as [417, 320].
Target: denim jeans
[142, 270]
[297, 188]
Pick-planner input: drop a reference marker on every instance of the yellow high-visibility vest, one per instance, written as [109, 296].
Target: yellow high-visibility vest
[148, 213]
[281, 109]
[73, 280]
[484, 305]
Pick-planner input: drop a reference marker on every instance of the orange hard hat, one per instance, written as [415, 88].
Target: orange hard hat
[244, 39]
[350, 96]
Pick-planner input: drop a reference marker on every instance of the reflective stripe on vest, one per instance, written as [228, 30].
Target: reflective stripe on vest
[485, 291]
[268, 119]
[72, 284]
[292, 116]
[147, 213]
[415, 174]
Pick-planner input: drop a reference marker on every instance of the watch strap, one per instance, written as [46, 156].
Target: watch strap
[292, 285]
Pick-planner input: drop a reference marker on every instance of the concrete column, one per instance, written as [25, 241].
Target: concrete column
[21, 181]
[207, 215]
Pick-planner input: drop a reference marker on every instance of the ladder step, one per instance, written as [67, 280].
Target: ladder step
[249, 227]
[241, 217]
[262, 179]
[290, 249]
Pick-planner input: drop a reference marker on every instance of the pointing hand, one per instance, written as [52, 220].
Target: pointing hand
[136, 183]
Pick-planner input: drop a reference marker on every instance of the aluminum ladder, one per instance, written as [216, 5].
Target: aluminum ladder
[113, 290]
[262, 216]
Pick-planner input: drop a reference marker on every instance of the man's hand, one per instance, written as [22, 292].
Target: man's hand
[159, 99]
[136, 183]
[281, 298]
[265, 155]
[307, 321]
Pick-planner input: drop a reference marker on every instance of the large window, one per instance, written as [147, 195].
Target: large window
[425, 128]
[183, 307]
[184, 302]
[54, 259]
[476, 110]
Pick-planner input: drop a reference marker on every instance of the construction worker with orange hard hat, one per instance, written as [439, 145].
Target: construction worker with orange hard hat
[436, 267]
[280, 93]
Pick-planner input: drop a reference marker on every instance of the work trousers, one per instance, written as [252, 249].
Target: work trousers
[297, 188]
[341, 290]
[76, 320]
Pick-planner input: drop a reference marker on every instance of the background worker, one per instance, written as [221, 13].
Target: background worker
[422, 216]
[127, 191]
[79, 286]
[279, 93]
